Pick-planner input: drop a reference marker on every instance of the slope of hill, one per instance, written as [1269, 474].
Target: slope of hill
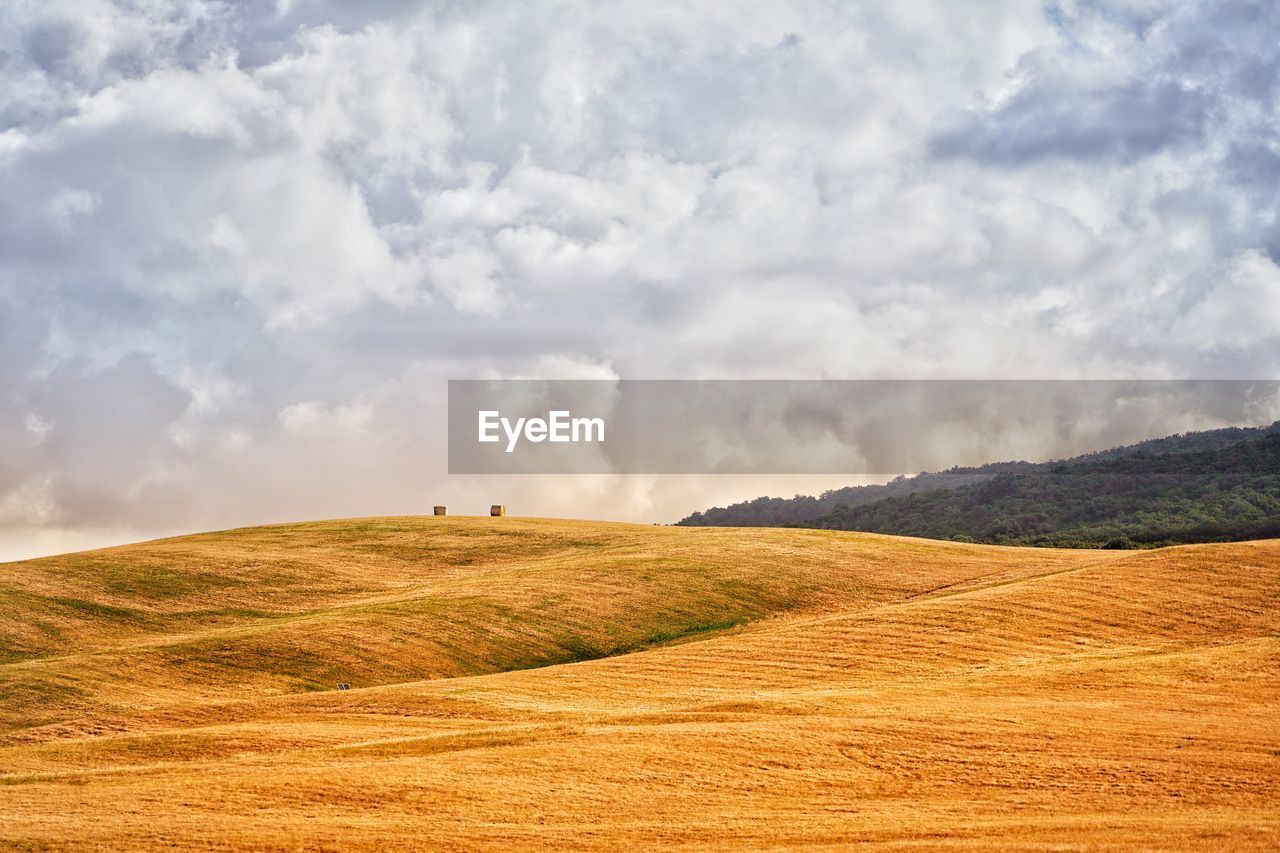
[781, 512]
[1112, 501]
[790, 687]
[269, 610]
[1193, 520]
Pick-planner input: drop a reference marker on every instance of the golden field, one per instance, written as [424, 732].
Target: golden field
[523, 683]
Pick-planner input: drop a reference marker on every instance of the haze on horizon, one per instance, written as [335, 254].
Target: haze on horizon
[243, 245]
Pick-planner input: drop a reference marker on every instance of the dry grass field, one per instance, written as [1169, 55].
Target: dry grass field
[525, 683]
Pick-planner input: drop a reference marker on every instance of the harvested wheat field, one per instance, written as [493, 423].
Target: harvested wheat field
[549, 684]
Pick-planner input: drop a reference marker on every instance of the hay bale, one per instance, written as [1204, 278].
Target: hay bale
[497, 510]
[342, 685]
[441, 510]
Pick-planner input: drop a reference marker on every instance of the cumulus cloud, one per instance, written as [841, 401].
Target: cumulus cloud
[238, 236]
[1240, 310]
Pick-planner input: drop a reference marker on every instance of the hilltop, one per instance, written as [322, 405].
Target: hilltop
[300, 607]
[1219, 485]
[535, 683]
[1124, 501]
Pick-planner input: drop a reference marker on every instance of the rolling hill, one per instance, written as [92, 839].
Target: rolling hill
[1218, 485]
[532, 683]
[1117, 502]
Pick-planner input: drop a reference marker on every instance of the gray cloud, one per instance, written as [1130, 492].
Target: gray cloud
[1123, 123]
[243, 245]
[1198, 63]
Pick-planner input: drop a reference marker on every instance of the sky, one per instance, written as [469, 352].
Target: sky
[244, 245]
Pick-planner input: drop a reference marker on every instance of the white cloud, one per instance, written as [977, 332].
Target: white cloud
[1240, 310]
[314, 418]
[68, 205]
[267, 225]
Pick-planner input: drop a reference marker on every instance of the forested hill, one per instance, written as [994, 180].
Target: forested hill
[768, 512]
[1137, 499]
[780, 512]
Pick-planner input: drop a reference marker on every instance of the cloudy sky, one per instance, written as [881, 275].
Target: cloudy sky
[243, 245]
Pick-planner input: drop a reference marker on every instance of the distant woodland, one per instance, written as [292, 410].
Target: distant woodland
[1209, 486]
